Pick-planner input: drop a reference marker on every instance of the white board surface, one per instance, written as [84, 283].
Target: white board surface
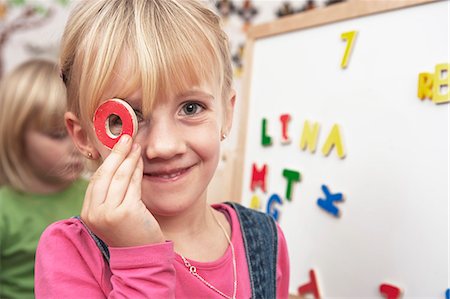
[394, 223]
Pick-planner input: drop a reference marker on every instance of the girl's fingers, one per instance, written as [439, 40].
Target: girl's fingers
[120, 183]
[103, 176]
[134, 190]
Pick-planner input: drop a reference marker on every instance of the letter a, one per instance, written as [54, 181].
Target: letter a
[334, 140]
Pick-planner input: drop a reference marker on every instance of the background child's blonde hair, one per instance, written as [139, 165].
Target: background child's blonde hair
[164, 45]
[31, 96]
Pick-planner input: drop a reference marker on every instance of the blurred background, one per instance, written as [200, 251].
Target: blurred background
[32, 28]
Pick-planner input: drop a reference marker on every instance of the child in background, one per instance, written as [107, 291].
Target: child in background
[39, 169]
[146, 229]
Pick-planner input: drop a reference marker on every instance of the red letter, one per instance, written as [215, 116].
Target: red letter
[390, 291]
[285, 118]
[311, 287]
[259, 178]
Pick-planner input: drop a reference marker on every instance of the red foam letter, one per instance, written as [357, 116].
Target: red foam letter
[311, 287]
[285, 118]
[259, 178]
[390, 291]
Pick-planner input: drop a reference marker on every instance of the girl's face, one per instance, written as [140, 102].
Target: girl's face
[52, 157]
[180, 142]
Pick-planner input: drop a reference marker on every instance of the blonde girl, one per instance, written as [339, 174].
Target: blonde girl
[39, 169]
[146, 229]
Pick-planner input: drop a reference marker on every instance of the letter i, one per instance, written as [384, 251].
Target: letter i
[285, 118]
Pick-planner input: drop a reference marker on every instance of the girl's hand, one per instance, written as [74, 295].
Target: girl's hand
[112, 208]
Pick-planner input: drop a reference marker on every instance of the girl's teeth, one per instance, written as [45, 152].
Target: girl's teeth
[169, 176]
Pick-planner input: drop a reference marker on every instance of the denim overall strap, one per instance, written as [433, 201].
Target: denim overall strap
[261, 245]
[100, 244]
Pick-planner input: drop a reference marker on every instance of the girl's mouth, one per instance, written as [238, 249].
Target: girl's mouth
[167, 175]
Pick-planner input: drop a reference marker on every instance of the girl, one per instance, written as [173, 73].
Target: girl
[39, 169]
[146, 230]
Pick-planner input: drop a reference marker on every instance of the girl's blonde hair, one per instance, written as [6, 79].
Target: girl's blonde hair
[31, 96]
[165, 46]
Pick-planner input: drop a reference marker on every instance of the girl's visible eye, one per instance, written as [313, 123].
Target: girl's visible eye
[191, 108]
[114, 124]
[139, 115]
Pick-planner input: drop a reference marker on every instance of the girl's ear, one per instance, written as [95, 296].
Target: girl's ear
[229, 110]
[80, 137]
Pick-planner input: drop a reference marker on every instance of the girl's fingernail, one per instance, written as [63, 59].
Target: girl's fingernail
[135, 147]
[124, 139]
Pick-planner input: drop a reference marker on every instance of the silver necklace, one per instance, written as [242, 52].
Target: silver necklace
[193, 270]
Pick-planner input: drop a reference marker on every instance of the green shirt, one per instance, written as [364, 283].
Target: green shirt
[23, 218]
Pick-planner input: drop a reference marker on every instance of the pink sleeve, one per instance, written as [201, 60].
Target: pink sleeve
[70, 265]
[282, 267]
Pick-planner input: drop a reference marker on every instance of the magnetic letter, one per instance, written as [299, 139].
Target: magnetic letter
[447, 294]
[271, 210]
[309, 136]
[311, 287]
[285, 118]
[425, 89]
[334, 139]
[292, 177]
[441, 81]
[255, 203]
[350, 38]
[259, 178]
[390, 291]
[328, 203]
[265, 139]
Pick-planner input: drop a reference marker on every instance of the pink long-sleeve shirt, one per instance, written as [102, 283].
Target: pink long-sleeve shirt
[70, 265]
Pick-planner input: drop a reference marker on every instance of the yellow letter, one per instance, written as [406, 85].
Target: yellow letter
[309, 137]
[439, 82]
[334, 139]
[350, 38]
[425, 89]
[255, 203]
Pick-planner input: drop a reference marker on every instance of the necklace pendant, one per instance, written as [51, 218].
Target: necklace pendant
[192, 269]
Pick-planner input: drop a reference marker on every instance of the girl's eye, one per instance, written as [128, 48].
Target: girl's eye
[191, 109]
[139, 115]
[114, 124]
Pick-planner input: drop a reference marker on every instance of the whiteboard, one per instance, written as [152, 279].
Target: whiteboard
[394, 223]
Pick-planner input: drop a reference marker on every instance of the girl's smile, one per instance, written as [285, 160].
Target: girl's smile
[168, 175]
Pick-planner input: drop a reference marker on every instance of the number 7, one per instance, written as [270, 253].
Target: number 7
[350, 38]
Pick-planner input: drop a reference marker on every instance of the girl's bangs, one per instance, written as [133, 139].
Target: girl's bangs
[178, 70]
[155, 54]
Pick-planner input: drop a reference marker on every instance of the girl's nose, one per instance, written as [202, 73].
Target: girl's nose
[164, 140]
